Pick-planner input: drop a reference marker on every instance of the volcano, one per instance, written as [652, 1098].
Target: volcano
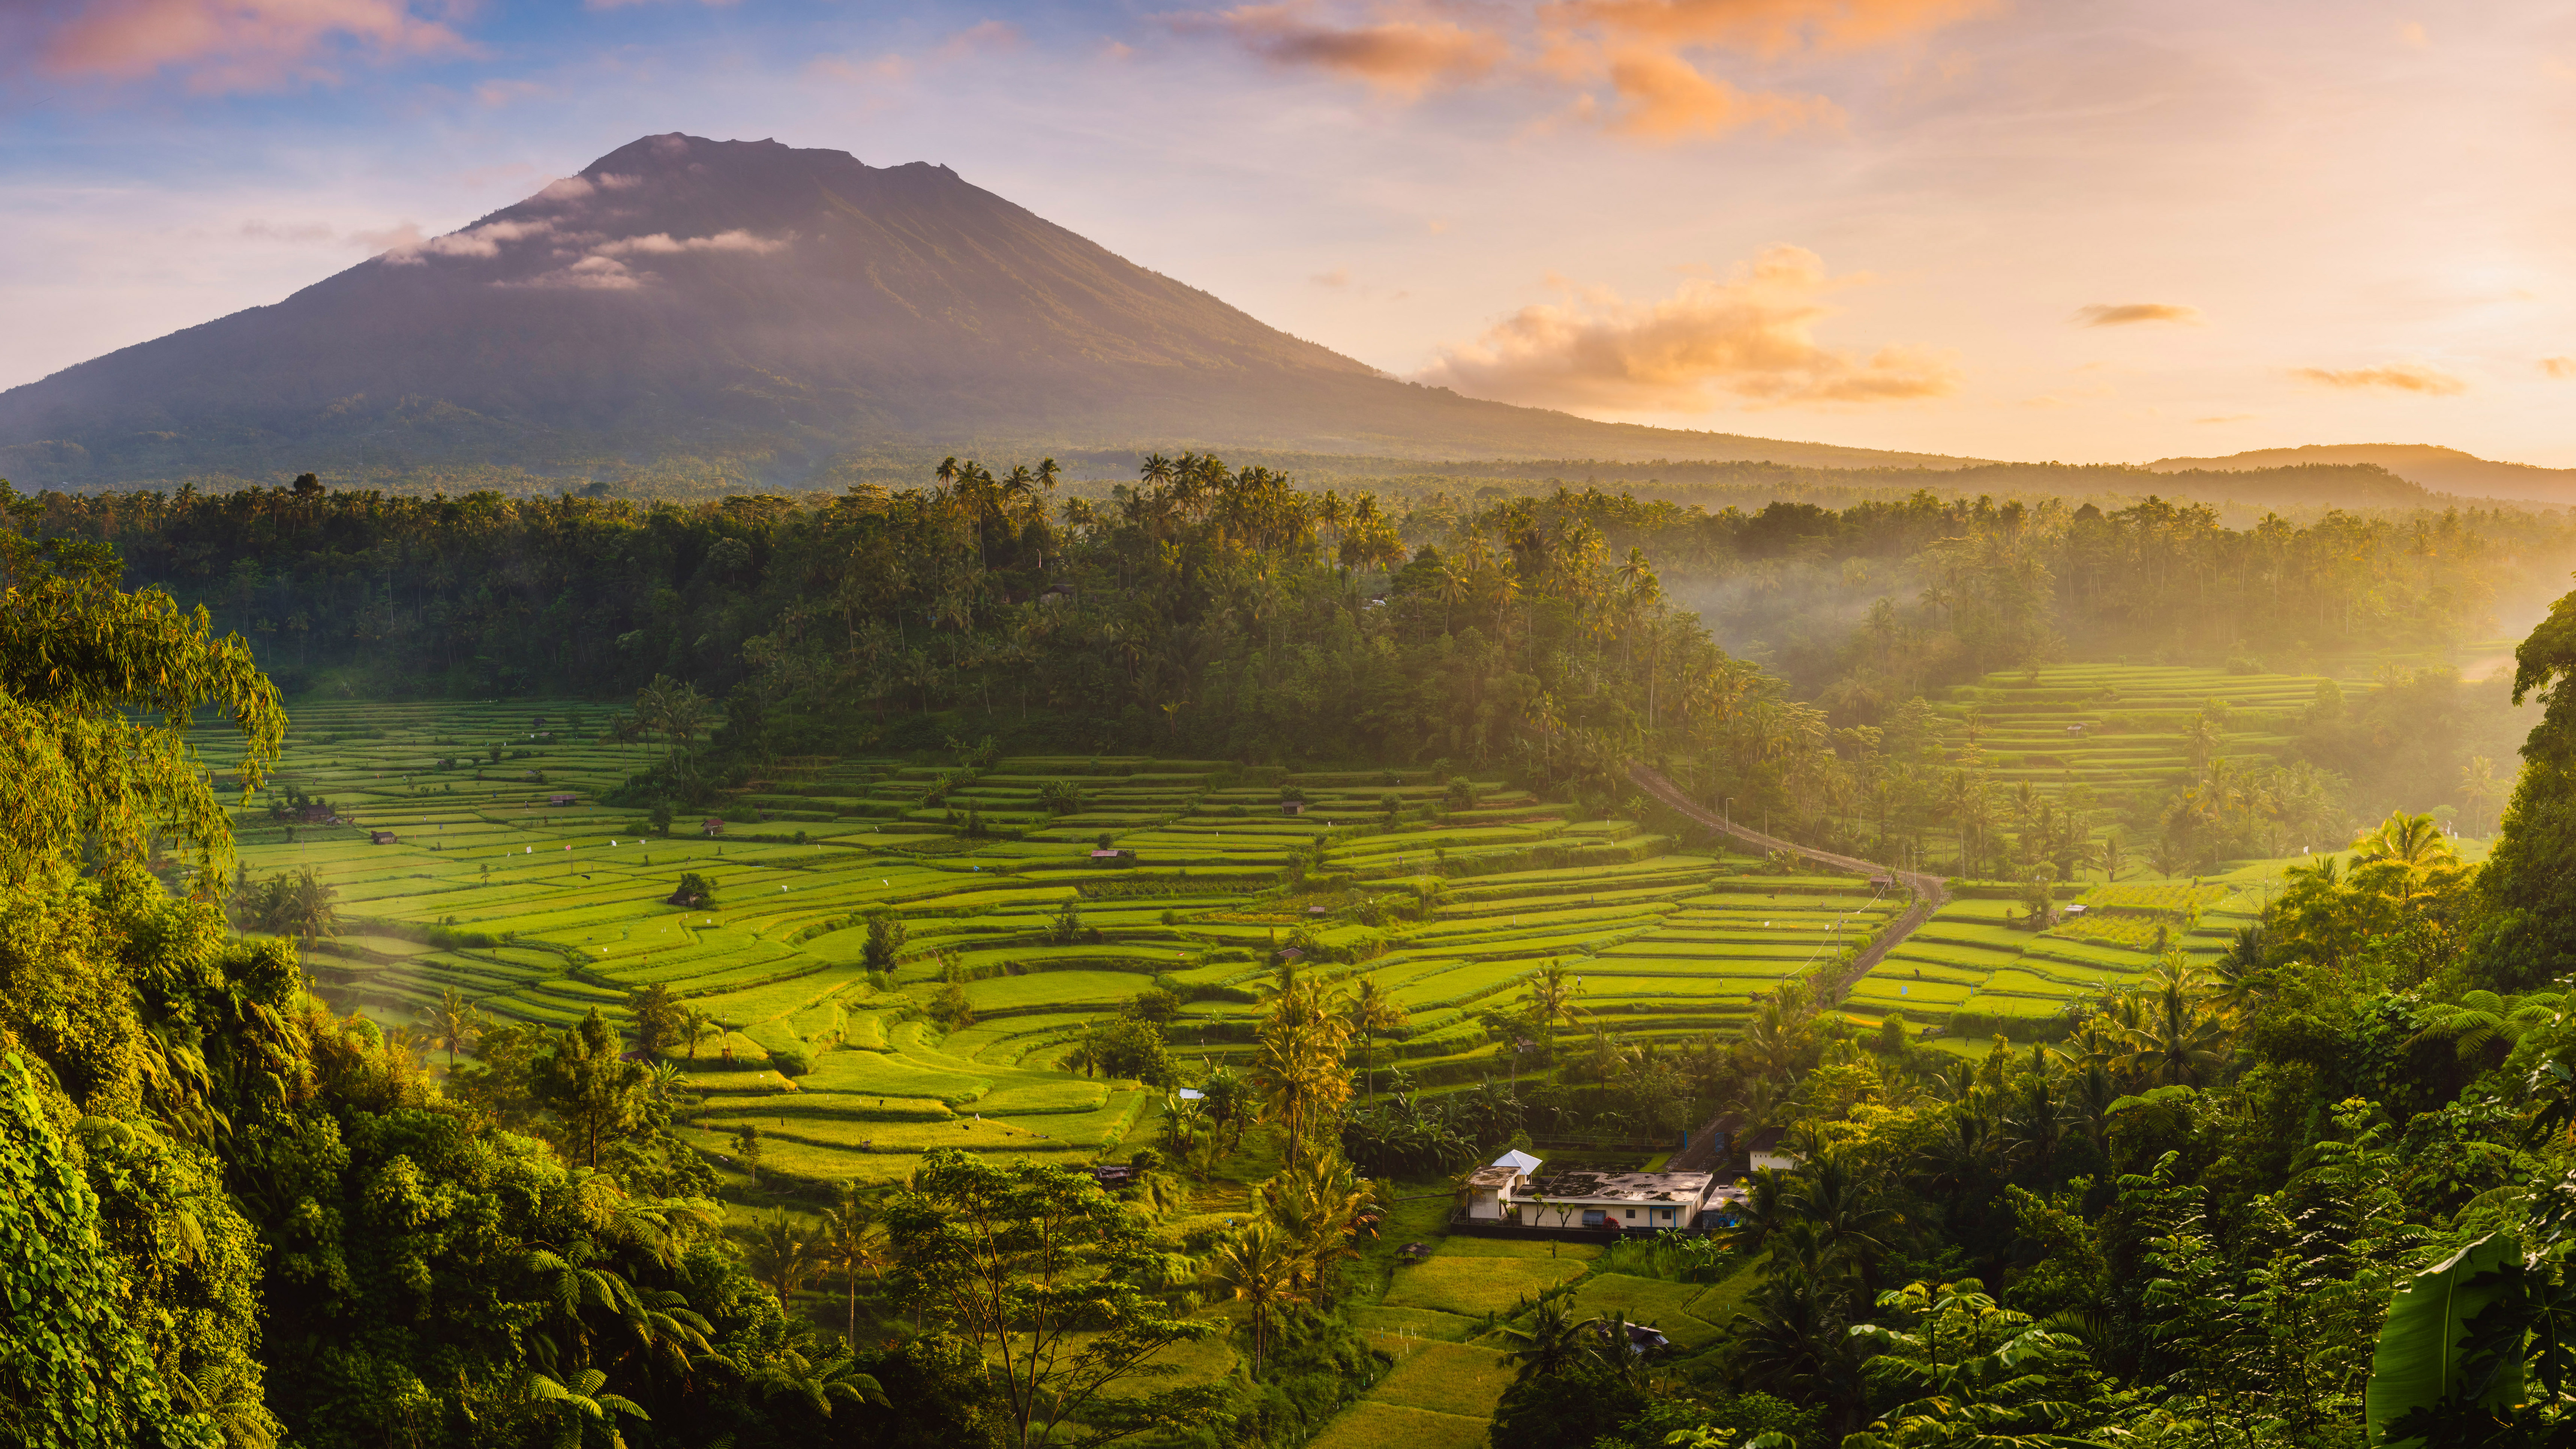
[687, 299]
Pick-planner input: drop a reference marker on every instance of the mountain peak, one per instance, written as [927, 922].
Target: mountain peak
[687, 298]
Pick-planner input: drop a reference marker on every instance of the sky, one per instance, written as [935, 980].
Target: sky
[2080, 230]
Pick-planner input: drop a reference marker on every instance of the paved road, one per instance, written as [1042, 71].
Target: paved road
[1928, 891]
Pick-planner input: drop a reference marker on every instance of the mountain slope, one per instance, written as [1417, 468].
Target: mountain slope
[2443, 470]
[688, 299]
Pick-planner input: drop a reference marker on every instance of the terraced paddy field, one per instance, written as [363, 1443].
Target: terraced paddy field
[2121, 730]
[508, 878]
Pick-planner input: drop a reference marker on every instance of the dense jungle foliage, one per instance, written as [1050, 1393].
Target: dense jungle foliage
[1224, 613]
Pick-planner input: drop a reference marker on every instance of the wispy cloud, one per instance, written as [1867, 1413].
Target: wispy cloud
[663, 244]
[2412, 377]
[984, 37]
[1748, 338]
[980, 38]
[1337, 277]
[1399, 56]
[1634, 68]
[2124, 314]
[2562, 367]
[223, 46]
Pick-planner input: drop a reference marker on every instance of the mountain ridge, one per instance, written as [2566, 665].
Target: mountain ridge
[680, 300]
[2439, 469]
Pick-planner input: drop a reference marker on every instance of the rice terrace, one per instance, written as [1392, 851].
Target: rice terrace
[508, 882]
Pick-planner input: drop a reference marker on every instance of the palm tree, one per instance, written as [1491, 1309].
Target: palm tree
[1761, 1214]
[850, 1242]
[1853, 1223]
[1550, 1000]
[1373, 1010]
[454, 1023]
[2478, 788]
[696, 1025]
[781, 1254]
[308, 909]
[2176, 1042]
[1257, 1267]
[2414, 840]
[1550, 1347]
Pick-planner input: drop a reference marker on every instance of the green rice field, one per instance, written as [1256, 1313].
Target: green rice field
[508, 878]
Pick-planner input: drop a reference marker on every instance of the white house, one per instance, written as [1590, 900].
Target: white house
[1488, 1191]
[1763, 1150]
[1581, 1199]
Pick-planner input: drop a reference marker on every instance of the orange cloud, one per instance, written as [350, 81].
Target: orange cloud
[2106, 314]
[2558, 366]
[1749, 338]
[1631, 61]
[2402, 376]
[1665, 98]
[1397, 56]
[1765, 28]
[241, 45]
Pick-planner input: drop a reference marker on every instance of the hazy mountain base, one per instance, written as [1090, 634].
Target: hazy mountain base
[589, 468]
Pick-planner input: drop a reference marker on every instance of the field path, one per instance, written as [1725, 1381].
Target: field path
[1929, 893]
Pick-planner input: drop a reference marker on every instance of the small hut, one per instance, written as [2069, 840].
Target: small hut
[381, 837]
[1292, 807]
[558, 799]
[714, 825]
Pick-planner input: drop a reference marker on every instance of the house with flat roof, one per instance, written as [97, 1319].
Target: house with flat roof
[1583, 1200]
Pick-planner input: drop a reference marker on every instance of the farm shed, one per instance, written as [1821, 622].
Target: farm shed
[381, 837]
[558, 799]
[714, 825]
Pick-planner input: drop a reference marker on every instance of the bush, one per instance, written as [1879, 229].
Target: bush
[791, 1061]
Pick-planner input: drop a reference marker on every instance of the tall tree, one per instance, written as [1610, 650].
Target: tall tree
[1038, 1268]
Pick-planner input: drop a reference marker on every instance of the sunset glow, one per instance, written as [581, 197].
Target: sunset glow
[2094, 232]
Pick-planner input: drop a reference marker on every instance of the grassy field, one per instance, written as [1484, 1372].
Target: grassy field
[510, 879]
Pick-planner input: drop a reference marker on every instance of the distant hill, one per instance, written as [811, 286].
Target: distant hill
[2443, 470]
[760, 315]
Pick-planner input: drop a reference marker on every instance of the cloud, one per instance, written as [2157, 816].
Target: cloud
[398, 236]
[1395, 55]
[1749, 337]
[2401, 377]
[2123, 314]
[223, 46]
[1630, 63]
[1665, 98]
[475, 241]
[979, 38]
[393, 238]
[2412, 36]
[495, 94]
[2561, 367]
[1765, 29]
[2227, 418]
[1337, 277]
[567, 190]
[590, 274]
[300, 234]
[661, 244]
[887, 67]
